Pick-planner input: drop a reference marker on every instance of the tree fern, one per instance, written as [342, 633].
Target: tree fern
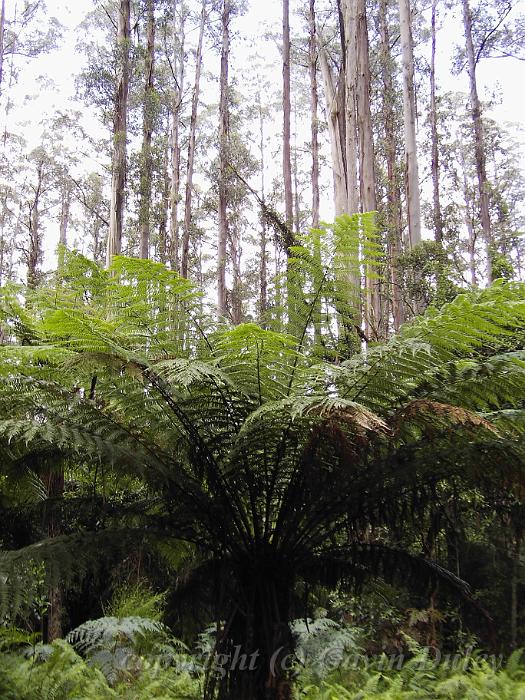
[273, 464]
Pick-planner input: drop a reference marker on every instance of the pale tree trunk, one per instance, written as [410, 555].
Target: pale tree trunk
[236, 293]
[332, 108]
[263, 263]
[163, 220]
[296, 193]
[222, 301]
[469, 222]
[437, 216]
[394, 214]
[148, 119]
[287, 164]
[120, 120]
[191, 145]
[314, 108]
[65, 212]
[373, 317]
[351, 85]
[409, 116]
[479, 142]
[2, 33]
[178, 77]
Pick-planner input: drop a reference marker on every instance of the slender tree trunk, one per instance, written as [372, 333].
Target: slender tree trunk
[351, 85]
[163, 221]
[479, 141]
[394, 214]
[191, 144]
[409, 115]
[174, 194]
[34, 252]
[314, 108]
[2, 34]
[65, 212]
[296, 193]
[287, 164]
[118, 180]
[223, 161]
[373, 316]
[236, 293]
[438, 219]
[470, 224]
[148, 119]
[314, 132]
[366, 138]
[263, 263]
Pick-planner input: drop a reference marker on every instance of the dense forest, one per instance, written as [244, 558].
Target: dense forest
[262, 350]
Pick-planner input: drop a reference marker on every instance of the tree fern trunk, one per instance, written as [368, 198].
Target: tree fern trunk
[258, 651]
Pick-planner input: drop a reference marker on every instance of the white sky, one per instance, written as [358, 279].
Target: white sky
[506, 76]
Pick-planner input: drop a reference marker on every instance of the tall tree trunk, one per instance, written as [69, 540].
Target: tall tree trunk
[263, 263]
[34, 251]
[373, 316]
[314, 108]
[314, 134]
[479, 142]
[333, 117]
[178, 77]
[469, 222]
[191, 144]
[65, 212]
[351, 86]
[287, 164]
[409, 116]
[120, 120]
[148, 119]
[224, 111]
[394, 214]
[2, 34]
[437, 216]
[163, 220]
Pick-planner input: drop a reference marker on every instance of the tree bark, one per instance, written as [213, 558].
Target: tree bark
[479, 141]
[191, 145]
[469, 222]
[34, 251]
[314, 108]
[163, 220]
[65, 212]
[351, 85]
[2, 34]
[437, 216]
[394, 214]
[409, 116]
[222, 301]
[148, 119]
[373, 316]
[332, 108]
[263, 263]
[119, 160]
[287, 164]
[178, 77]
